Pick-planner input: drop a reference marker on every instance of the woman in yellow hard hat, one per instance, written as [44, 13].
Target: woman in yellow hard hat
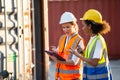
[96, 62]
[71, 68]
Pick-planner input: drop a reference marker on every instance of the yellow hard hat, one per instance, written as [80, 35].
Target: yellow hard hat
[92, 14]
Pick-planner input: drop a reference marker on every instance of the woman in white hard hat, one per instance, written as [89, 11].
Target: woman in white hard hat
[96, 63]
[71, 69]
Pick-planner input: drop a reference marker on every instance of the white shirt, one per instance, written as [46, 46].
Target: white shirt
[98, 49]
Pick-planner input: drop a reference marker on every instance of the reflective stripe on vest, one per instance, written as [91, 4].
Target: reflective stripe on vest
[102, 70]
[89, 48]
[93, 77]
[68, 71]
[74, 46]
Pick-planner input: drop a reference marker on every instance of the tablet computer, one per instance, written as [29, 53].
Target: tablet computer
[52, 53]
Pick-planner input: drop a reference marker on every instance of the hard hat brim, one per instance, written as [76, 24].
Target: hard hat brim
[81, 19]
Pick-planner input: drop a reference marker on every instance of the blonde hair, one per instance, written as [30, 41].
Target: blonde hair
[76, 25]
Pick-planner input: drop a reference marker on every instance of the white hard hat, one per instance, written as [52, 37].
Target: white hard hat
[67, 17]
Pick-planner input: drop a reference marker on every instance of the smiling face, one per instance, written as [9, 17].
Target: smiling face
[68, 28]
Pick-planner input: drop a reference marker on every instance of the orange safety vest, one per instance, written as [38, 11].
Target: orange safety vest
[68, 72]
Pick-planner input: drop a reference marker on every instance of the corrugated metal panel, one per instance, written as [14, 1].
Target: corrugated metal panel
[108, 8]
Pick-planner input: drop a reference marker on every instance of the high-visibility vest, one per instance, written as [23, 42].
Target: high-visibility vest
[102, 71]
[68, 72]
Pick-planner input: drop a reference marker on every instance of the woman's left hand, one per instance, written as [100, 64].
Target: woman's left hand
[74, 52]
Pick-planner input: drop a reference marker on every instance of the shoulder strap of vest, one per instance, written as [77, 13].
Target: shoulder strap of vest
[77, 41]
[61, 38]
[90, 47]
